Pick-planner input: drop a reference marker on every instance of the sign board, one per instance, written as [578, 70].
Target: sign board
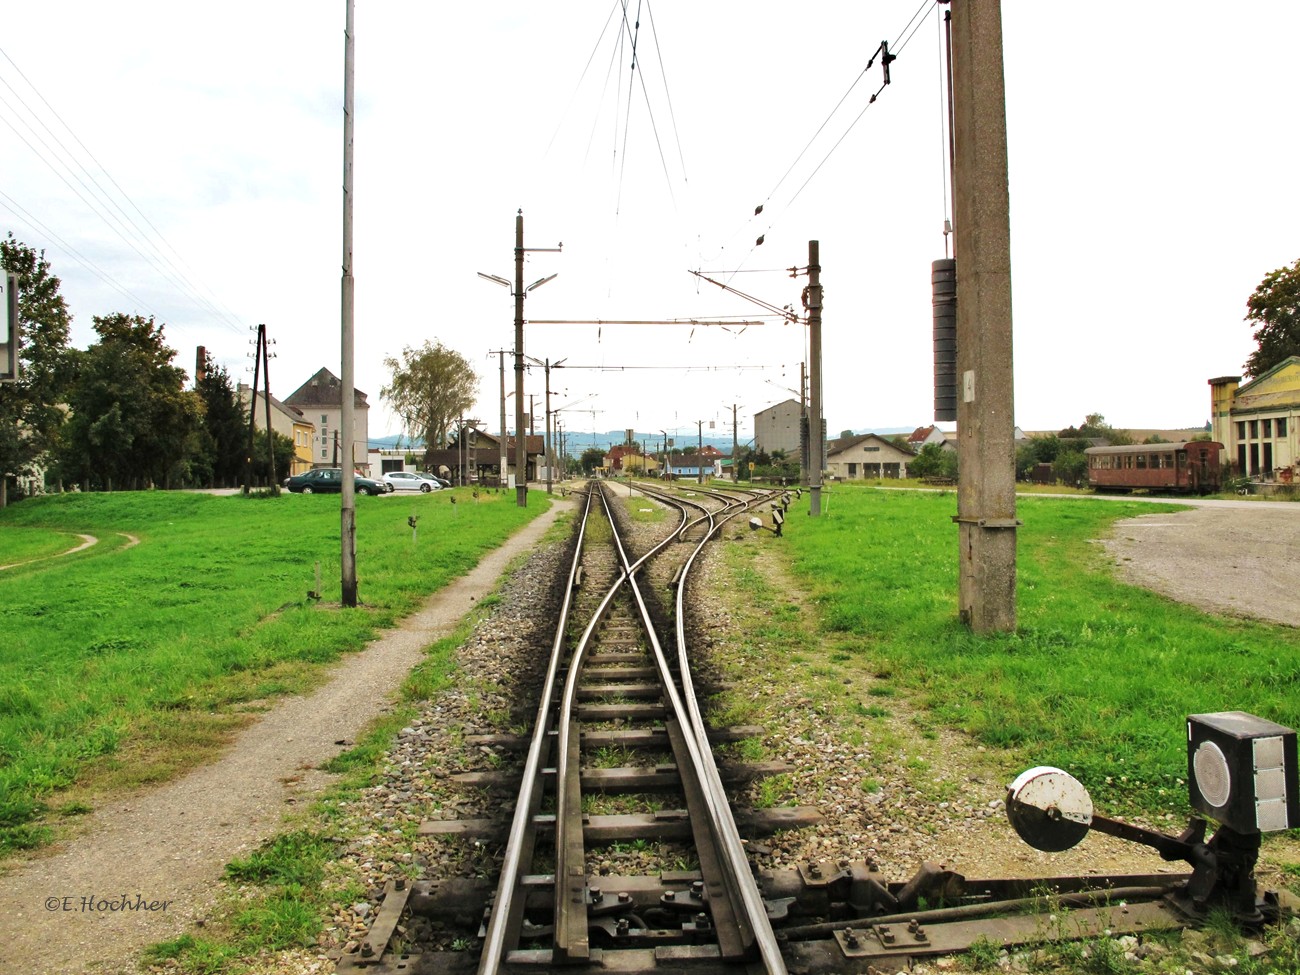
[9, 333]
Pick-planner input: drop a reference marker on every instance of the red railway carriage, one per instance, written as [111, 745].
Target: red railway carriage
[1187, 466]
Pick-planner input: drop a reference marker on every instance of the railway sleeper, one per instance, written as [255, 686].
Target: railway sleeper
[666, 824]
[628, 779]
[631, 737]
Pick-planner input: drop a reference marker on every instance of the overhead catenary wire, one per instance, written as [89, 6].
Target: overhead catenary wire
[901, 41]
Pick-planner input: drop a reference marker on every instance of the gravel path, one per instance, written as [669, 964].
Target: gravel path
[145, 868]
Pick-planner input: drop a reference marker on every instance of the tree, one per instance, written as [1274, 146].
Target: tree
[223, 440]
[30, 409]
[591, 458]
[1095, 426]
[933, 461]
[1275, 309]
[1071, 467]
[283, 457]
[132, 423]
[431, 388]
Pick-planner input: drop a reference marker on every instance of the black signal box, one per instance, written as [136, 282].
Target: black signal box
[1241, 771]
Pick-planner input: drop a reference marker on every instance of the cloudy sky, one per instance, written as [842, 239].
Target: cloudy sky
[184, 160]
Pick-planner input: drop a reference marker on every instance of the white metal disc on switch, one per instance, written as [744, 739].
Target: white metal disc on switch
[1049, 808]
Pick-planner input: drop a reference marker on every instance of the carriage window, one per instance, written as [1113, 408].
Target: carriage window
[1281, 426]
[1268, 429]
[1141, 462]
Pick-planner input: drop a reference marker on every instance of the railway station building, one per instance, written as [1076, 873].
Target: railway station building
[866, 455]
[1256, 423]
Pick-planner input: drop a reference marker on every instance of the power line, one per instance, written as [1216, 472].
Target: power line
[14, 207]
[171, 272]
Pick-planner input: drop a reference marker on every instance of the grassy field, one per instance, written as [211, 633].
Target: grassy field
[127, 662]
[1099, 676]
[25, 544]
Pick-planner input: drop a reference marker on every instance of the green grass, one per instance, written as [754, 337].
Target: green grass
[24, 544]
[1097, 679]
[124, 664]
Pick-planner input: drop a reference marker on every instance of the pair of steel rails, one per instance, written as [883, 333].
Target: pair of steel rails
[736, 912]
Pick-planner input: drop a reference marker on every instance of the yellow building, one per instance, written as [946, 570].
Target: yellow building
[287, 421]
[1257, 422]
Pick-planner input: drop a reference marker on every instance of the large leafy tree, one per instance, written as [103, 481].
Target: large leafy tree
[132, 422]
[224, 435]
[30, 409]
[1095, 425]
[432, 387]
[1274, 310]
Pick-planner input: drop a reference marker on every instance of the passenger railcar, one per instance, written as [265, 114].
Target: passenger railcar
[1187, 466]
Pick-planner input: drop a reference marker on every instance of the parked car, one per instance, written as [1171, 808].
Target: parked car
[408, 481]
[442, 481]
[327, 479]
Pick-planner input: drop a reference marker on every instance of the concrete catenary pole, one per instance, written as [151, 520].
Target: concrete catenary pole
[699, 451]
[521, 450]
[986, 492]
[735, 447]
[815, 445]
[348, 504]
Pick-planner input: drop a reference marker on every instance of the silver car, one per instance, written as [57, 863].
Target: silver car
[408, 481]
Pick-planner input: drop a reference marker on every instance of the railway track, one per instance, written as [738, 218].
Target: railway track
[618, 843]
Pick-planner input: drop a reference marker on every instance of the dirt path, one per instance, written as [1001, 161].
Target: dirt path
[145, 867]
[86, 542]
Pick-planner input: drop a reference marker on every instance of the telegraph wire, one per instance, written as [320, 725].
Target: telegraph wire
[175, 276]
[14, 207]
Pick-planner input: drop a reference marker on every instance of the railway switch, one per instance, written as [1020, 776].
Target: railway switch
[1241, 774]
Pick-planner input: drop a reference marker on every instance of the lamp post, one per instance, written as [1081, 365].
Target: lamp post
[519, 291]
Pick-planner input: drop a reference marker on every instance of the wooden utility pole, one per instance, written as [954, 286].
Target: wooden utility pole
[252, 416]
[348, 503]
[266, 399]
[813, 302]
[986, 491]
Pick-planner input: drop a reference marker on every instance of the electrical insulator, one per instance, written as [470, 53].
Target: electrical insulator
[943, 289]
